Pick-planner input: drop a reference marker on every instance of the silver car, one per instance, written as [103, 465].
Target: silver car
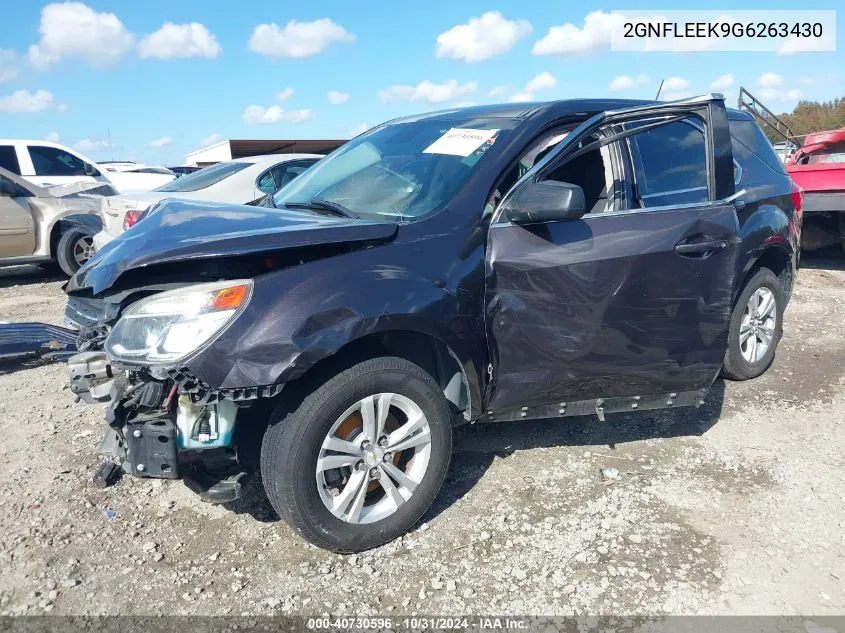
[239, 181]
[40, 225]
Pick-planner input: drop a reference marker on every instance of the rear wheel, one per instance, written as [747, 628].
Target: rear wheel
[362, 457]
[75, 247]
[756, 327]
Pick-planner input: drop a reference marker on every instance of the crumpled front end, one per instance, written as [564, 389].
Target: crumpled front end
[159, 424]
[154, 431]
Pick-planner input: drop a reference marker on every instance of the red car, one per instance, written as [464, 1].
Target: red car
[818, 167]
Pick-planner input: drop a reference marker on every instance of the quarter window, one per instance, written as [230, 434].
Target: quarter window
[51, 161]
[9, 159]
[671, 164]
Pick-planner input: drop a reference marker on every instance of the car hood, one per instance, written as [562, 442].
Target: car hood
[181, 230]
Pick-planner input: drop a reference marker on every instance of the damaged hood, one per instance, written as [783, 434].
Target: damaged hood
[181, 230]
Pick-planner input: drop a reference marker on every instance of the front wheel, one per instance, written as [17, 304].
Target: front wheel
[75, 247]
[362, 457]
[756, 327]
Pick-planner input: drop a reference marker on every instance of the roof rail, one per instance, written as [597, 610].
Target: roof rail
[749, 103]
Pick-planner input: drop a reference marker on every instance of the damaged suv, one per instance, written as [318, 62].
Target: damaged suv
[489, 263]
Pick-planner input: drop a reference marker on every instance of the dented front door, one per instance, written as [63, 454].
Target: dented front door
[605, 307]
[614, 305]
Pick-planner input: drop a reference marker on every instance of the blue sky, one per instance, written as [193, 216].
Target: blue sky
[87, 72]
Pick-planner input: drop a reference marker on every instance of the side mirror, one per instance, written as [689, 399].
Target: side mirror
[90, 170]
[546, 201]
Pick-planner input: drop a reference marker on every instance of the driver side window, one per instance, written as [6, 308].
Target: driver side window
[596, 172]
[593, 171]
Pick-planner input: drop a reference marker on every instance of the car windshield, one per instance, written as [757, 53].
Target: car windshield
[409, 169]
[204, 177]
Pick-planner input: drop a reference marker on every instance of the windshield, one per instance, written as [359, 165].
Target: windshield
[409, 169]
[203, 178]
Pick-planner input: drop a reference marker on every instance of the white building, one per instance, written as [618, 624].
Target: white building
[238, 148]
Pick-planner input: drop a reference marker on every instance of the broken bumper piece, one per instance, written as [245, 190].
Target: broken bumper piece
[154, 434]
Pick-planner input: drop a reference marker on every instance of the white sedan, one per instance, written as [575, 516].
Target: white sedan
[239, 181]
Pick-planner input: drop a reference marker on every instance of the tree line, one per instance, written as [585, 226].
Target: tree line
[811, 116]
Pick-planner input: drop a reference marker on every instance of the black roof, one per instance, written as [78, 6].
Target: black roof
[563, 107]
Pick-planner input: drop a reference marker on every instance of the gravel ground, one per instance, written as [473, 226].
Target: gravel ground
[736, 507]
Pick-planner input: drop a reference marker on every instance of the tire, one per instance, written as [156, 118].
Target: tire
[68, 255]
[738, 366]
[295, 440]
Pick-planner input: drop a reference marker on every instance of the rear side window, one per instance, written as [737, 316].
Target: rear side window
[203, 178]
[52, 161]
[9, 159]
[670, 162]
[834, 153]
[751, 136]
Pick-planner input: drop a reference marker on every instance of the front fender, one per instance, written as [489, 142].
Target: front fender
[300, 316]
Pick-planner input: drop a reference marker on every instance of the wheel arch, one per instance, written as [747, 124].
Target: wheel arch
[420, 348]
[776, 258]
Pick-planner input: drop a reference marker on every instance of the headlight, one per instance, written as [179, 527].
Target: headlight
[168, 326]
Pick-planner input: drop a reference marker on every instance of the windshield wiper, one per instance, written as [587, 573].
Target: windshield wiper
[323, 205]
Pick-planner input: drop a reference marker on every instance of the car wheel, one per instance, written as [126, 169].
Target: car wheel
[756, 327]
[73, 250]
[363, 456]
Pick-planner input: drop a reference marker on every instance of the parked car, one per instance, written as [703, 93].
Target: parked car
[818, 167]
[128, 176]
[240, 181]
[492, 263]
[40, 225]
[44, 163]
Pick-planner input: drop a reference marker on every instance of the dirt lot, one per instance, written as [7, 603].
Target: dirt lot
[737, 507]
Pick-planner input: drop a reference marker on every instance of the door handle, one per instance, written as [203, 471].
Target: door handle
[686, 249]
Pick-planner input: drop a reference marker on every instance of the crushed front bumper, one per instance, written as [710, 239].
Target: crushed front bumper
[148, 435]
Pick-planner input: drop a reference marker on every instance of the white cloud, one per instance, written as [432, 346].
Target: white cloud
[8, 65]
[297, 39]
[770, 80]
[482, 38]
[72, 29]
[570, 39]
[337, 97]
[22, 101]
[275, 114]
[675, 88]
[624, 83]
[211, 139]
[521, 96]
[52, 137]
[427, 91]
[88, 145]
[771, 87]
[723, 82]
[359, 129]
[176, 41]
[285, 94]
[792, 44]
[543, 81]
[164, 141]
[499, 91]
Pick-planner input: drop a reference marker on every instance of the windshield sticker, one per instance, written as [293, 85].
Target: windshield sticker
[460, 141]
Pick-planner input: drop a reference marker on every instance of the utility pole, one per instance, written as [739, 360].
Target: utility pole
[659, 88]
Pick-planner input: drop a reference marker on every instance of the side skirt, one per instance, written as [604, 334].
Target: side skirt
[600, 406]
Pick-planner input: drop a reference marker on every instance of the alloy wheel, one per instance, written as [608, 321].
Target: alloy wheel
[373, 458]
[757, 328]
[83, 249]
